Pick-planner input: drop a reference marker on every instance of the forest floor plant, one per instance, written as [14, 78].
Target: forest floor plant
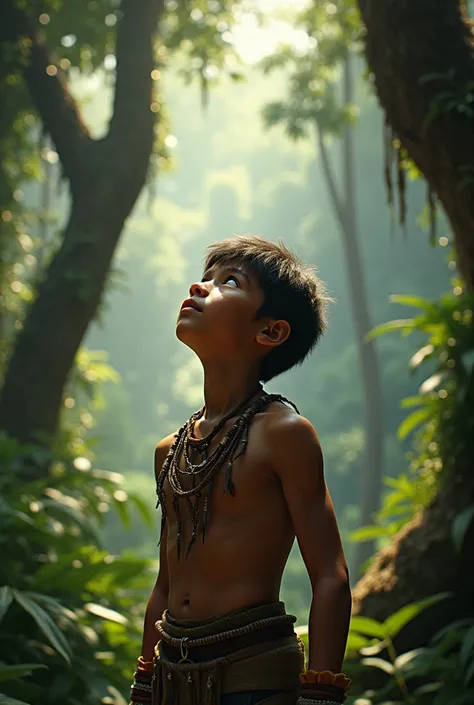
[70, 612]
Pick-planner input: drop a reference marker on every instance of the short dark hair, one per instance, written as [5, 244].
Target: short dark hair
[292, 292]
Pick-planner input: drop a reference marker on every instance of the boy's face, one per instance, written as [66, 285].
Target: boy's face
[219, 317]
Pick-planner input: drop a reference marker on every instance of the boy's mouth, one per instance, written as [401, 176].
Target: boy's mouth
[190, 304]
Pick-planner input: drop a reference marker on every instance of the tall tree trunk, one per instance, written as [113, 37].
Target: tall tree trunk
[421, 56]
[345, 210]
[418, 51]
[105, 179]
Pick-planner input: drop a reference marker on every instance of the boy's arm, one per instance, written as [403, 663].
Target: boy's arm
[158, 600]
[298, 462]
[157, 604]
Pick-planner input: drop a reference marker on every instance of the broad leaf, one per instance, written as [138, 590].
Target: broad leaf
[5, 700]
[412, 421]
[6, 597]
[432, 382]
[8, 673]
[355, 643]
[409, 300]
[105, 613]
[420, 356]
[401, 324]
[367, 626]
[410, 402]
[374, 649]
[45, 623]
[368, 533]
[466, 654]
[469, 674]
[408, 660]
[460, 526]
[395, 623]
[379, 663]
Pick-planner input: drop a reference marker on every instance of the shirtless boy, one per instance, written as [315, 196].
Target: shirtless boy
[236, 484]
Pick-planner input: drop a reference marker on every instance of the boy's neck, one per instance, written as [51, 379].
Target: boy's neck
[225, 387]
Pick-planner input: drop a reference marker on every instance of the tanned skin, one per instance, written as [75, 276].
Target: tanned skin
[279, 480]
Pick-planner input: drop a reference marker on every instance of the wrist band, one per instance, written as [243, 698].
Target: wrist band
[323, 688]
[325, 678]
[141, 688]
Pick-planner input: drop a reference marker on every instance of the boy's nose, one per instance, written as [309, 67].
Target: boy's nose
[197, 289]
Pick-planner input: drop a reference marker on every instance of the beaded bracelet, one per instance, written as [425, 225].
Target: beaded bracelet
[141, 688]
[321, 678]
[317, 687]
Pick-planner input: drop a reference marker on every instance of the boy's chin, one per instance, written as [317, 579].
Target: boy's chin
[187, 334]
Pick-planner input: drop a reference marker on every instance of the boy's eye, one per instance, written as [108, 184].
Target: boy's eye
[231, 279]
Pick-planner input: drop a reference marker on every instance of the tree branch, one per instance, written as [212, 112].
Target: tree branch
[135, 57]
[107, 188]
[57, 108]
[418, 51]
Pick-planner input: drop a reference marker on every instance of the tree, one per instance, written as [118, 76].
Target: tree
[427, 98]
[313, 106]
[105, 176]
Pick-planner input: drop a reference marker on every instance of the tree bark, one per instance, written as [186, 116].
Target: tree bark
[345, 209]
[417, 51]
[406, 43]
[105, 177]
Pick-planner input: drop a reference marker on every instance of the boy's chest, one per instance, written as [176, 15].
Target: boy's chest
[193, 476]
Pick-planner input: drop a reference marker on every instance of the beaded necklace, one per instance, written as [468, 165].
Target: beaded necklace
[203, 473]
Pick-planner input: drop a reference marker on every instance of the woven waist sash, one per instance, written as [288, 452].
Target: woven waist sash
[251, 649]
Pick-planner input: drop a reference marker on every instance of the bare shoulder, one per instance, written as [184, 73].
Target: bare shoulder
[281, 423]
[162, 450]
[291, 440]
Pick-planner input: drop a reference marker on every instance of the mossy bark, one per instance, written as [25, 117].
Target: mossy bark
[420, 55]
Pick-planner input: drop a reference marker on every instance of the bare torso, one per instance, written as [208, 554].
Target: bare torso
[248, 540]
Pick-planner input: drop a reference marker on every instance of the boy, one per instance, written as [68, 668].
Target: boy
[236, 484]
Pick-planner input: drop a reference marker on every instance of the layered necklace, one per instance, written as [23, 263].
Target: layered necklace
[199, 476]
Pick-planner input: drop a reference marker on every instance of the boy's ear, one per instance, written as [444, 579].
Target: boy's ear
[273, 333]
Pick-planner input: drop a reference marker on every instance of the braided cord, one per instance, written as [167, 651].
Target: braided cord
[225, 635]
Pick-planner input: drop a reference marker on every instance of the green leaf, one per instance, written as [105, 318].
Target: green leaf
[6, 700]
[448, 629]
[408, 660]
[8, 673]
[46, 624]
[420, 356]
[105, 613]
[400, 324]
[467, 648]
[367, 626]
[460, 525]
[355, 642]
[6, 597]
[374, 649]
[368, 533]
[395, 623]
[409, 300]
[432, 382]
[416, 418]
[469, 674]
[410, 402]
[379, 663]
